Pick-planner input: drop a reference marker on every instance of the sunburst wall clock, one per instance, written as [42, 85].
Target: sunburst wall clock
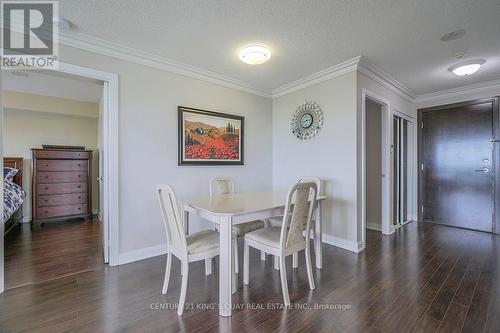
[307, 121]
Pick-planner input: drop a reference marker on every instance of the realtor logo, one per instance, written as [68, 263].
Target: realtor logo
[29, 35]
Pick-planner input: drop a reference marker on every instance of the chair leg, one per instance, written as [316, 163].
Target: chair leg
[236, 260]
[182, 299]
[295, 259]
[246, 264]
[262, 255]
[310, 276]
[276, 263]
[208, 266]
[284, 283]
[167, 272]
[234, 279]
[312, 233]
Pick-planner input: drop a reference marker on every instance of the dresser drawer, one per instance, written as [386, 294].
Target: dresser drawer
[61, 154]
[59, 211]
[62, 165]
[61, 199]
[61, 177]
[61, 188]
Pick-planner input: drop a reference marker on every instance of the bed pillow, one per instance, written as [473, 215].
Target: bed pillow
[9, 173]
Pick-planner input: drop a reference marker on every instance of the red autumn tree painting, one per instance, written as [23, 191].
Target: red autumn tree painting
[211, 138]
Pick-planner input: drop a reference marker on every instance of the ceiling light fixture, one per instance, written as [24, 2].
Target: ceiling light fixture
[255, 54]
[466, 68]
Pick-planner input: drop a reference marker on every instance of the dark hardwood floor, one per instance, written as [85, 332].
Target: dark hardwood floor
[424, 278]
[51, 252]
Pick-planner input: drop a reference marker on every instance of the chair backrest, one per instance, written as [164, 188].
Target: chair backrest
[303, 198]
[314, 180]
[171, 218]
[221, 185]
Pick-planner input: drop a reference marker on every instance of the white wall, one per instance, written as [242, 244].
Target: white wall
[331, 155]
[26, 129]
[373, 141]
[148, 100]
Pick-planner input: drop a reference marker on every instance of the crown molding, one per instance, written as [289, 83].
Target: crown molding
[374, 72]
[115, 50]
[359, 63]
[318, 77]
[470, 89]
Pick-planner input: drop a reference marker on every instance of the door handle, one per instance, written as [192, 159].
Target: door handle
[99, 179]
[485, 170]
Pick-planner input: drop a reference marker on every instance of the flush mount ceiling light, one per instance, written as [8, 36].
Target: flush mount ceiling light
[467, 67]
[255, 54]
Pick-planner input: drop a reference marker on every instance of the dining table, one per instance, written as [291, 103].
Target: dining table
[227, 210]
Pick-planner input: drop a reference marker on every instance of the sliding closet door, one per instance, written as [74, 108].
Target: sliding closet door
[402, 170]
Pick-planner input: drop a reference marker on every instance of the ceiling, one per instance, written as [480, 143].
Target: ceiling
[401, 37]
[47, 83]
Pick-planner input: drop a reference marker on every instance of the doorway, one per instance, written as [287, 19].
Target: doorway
[376, 165]
[458, 161]
[109, 182]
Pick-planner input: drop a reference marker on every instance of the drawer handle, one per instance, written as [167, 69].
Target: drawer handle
[47, 176]
[79, 208]
[79, 197]
[46, 212]
[79, 186]
[79, 165]
[79, 176]
[46, 188]
[47, 164]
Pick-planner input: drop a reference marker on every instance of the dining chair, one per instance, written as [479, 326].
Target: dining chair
[288, 238]
[225, 185]
[276, 221]
[203, 245]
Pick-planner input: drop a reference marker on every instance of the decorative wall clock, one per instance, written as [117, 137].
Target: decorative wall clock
[307, 121]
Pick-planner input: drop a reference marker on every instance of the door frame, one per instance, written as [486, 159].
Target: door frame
[111, 175]
[386, 114]
[495, 220]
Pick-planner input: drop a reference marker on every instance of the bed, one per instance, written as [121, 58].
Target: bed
[14, 195]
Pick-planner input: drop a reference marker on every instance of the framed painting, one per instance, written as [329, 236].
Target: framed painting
[210, 138]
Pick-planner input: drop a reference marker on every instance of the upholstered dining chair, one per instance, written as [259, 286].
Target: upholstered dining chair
[276, 221]
[288, 238]
[203, 245]
[225, 185]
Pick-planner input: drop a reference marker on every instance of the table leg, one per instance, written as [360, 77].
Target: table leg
[317, 237]
[225, 264]
[186, 222]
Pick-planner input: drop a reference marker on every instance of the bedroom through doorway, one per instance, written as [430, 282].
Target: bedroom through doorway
[52, 145]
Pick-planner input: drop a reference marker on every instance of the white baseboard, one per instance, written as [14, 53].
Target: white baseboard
[158, 250]
[26, 219]
[142, 254]
[374, 226]
[345, 244]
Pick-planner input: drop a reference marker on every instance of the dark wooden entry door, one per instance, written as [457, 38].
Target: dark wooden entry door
[458, 171]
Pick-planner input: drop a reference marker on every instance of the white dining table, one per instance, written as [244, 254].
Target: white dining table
[230, 209]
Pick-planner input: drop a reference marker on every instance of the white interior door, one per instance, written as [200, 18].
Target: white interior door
[103, 171]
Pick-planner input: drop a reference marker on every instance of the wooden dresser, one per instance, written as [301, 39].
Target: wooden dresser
[61, 184]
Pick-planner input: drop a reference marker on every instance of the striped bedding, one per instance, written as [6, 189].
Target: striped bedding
[13, 197]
